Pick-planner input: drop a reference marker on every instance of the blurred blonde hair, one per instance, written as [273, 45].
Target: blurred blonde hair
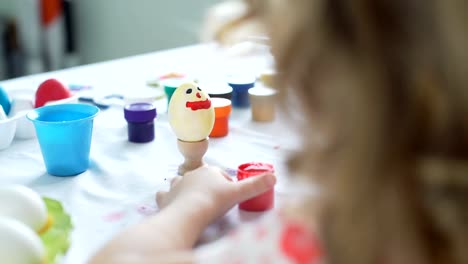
[383, 84]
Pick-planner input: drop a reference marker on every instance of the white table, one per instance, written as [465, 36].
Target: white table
[118, 189]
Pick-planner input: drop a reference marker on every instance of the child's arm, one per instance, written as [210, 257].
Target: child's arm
[193, 202]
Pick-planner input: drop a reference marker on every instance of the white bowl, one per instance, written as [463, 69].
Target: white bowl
[24, 128]
[7, 130]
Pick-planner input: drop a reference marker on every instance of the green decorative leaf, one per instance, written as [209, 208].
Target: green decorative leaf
[57, 238]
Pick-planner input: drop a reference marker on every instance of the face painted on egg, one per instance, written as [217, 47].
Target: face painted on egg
[191, 114]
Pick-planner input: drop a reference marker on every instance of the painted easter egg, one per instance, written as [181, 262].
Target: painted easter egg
[19, 244]
[5, 101]
[51, 90]
[191, 114]
[24, 205]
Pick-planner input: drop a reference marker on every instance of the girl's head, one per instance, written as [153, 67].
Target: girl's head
[382, 86]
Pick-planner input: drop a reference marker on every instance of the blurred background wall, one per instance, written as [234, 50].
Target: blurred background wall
[114, 28]
[34, 32]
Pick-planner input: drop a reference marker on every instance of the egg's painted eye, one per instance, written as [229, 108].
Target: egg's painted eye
[189, 91]
[198, 88]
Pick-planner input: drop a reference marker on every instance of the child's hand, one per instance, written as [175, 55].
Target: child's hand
[212, 191]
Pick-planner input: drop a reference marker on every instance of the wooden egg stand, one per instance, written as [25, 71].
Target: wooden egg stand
[191, 116]
[193, 153]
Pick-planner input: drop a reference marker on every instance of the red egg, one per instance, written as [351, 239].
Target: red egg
[51, 90]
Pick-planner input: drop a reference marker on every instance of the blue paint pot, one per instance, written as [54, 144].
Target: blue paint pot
[240, 89]
[64, 132]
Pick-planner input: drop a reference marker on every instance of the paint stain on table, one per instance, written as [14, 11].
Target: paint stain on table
[147, 210]
[114, 216]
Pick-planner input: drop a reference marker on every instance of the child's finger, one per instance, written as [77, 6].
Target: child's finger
[222, 172]
[175, 180]
[254, 186]
[160, 198]
[229, 178]
[225, 174]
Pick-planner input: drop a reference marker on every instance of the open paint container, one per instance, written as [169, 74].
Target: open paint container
[263, 103]
[264, 201]
[241, 84]
[219, 91]
[222, 107]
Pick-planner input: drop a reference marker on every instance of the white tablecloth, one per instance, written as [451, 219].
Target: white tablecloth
[119, 187]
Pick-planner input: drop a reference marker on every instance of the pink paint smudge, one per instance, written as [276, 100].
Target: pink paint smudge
[147, 210]
[276, 147]
[261, 232]
[113, 217]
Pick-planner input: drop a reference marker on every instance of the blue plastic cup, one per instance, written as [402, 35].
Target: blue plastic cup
[64, 132]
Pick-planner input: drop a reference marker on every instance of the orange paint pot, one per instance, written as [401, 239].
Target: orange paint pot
[222, 109]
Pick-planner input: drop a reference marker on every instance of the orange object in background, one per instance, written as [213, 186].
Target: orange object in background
[51, 11]
[222, 109]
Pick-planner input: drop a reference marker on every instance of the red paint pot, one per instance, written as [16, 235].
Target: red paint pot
[264, 201]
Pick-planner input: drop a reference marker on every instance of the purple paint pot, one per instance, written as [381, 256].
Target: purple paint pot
[140, 118]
